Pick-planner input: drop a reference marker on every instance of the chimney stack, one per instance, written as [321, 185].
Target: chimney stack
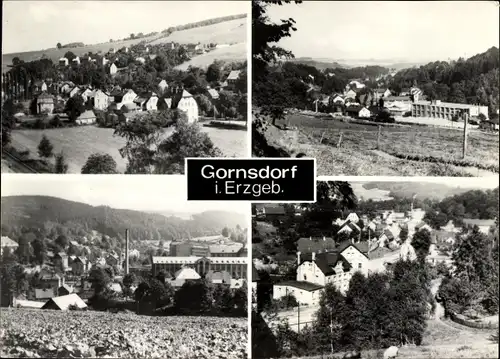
[313, 256]
[298, 258]
[126, 251]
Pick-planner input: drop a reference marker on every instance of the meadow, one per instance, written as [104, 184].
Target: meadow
[410, 150]
[78, 143]
[236, 52]
[227, 32]
[50, 334]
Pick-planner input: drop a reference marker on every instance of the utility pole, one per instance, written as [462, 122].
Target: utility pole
[465, 116]
[298, 318]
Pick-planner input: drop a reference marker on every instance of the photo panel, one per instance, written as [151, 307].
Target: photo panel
[372, 97]
[121, 266]
[136, 98]
[378, 268]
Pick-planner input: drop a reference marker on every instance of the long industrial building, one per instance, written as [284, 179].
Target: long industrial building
[236, 266]
[446, 110]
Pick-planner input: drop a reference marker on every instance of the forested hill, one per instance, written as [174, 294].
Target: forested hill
[46, 214]
[436, 191]
[474, 80]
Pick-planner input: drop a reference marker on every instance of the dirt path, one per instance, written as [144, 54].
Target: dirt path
[473, 171]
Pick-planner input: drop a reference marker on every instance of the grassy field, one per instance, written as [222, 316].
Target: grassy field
[404, 149]
[236, 52]
[47, 333]
[441, 341]
[227, 32]
[78, 143]
[233, 31]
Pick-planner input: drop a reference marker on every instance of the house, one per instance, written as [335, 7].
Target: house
[147, 101]
[31, 304]
[218, 277]
[54, 281]
[8, 243]
[484, 225]
[423, 226]
[65, 302]
[162, 86]
[80, 265]
[141, 60]
[86, 118]
[337, 100]
[75, 91]
[101, 100]
[43, 87]
[45, 103]
[355, 84]
[112, 260]
[407, 252]
[64, 290]
[386, 237]
[188, 104]
[127, 97]
[270, 212]
[306, 293]
[318, 245]
[63, 61]
[225, 250]
[61, 259]
[45, 293]
[381, 93]
[350, 228]
[214, 95]
[183, 275]
[87, 95]
[113, 69]
[232, 78]
[66, 87]
[351, 94]
[358, 111]
[76, 61]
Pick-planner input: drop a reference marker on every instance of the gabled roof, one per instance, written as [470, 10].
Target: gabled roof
[186, 94]
[186, 273]
[213, 93]
[63, 302]
[225, 248]
[310, 287]
[7, 242]
[309, 245]
[234, 75]
[62, 255]
[327, 261]
[67, 287]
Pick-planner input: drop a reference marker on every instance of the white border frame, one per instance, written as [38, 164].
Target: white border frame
[315, 179]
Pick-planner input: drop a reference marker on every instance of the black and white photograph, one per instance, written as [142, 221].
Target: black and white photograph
[378, 88]
[106, 87]
[378, 270]
[120, 267]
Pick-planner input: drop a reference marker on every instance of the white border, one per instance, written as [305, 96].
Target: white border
[315, 179]
[249, 81]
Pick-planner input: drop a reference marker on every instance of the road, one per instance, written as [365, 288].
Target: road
[14, 164]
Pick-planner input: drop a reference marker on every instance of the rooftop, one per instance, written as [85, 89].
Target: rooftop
[310, 287]
[446, 104]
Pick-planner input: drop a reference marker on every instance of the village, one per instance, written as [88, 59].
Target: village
[65, 279]
[289, 286]
[97, 92]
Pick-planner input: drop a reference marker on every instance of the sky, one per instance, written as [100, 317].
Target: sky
[396, 30]
[137, 192]
[39, 25]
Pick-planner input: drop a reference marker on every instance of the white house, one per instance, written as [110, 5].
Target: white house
[162, 86]
[188, 104]
[6, 242]
[128, 97]
[43, 88]
[86, 118]
[484, 225]
[364, 113]
[306, 293]
[75, 91]
[64, 61]
[142, 60]
[147, 102]
[407, 252]
[350, 94]
[76, 60]
[101, 100]
[113, 69]
[87, 94]
[357, 84]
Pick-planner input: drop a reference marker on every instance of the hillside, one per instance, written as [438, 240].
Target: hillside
[473, 81]
[223, 32]
[320, 64]
[232, 53]
[36, 212]
[423, 190]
